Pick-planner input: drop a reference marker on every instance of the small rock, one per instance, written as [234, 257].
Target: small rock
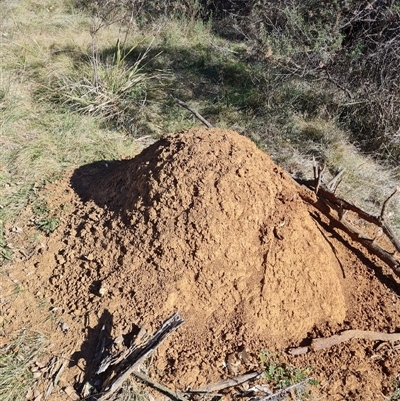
[37, 374]
[29, 394]
[37, 395]
[71, 393]
[64, 327]
[102, 290]
[60, 259]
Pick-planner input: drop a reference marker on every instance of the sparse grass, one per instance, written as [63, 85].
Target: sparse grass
[130, 391]
[5, 251]
[396, 391]
[45, 219]
[16, 358]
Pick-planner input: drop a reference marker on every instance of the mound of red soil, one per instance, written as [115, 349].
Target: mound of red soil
[205, 223]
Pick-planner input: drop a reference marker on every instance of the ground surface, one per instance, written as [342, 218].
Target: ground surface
[204, 223]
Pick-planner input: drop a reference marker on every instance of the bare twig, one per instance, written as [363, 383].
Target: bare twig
[315, 168]
[56, 377]
[322, 343]
[232, 382]
[387, 201]
[196, 114]
[128, 367]
[329, 78]
[324, 206]
[340, 204]
[281, 393]
[165, 390]
[334, 183]
[325, 201]
[319, 177]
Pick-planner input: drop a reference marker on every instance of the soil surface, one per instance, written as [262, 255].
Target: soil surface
[204, 223]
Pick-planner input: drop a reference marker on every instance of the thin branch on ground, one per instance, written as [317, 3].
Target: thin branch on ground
[232, 382]
[326, 201]
[161, 388]
[196, 114]
[126, 367]
[327, 342]
[397, 190]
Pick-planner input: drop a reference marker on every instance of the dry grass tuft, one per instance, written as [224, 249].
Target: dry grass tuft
[17, 357]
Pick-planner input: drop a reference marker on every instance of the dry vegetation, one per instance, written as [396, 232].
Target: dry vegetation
[83, 80]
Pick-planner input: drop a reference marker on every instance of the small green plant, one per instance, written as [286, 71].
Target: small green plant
[44, 220]
[40, 207]
[48, 225]
[281, 375]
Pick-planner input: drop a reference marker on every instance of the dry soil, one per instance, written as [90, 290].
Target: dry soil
[204, 223]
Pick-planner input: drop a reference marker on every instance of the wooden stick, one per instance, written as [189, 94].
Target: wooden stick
[320, 176]
[159, 337]
[326, 201]
[315, 169]
[162, 389]
[387, 201]
[196, 114]
[322, 343]
[278, 396]
[56, 378]
[356, 235]
[340, 204]
[334, 183]
[232, 382]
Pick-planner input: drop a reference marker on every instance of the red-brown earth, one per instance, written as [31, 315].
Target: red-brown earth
[204, 223]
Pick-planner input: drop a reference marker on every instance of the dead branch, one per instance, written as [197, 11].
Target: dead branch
[55, 379]
[232, 382]
[281, 394]
[161, 388]
[322, 343]
[324, 193]
[326, 202]
[126, 367]
[329, 78]
[387, 201]
[196, 114]
[320, 175]
[315, 168]
[334, 183]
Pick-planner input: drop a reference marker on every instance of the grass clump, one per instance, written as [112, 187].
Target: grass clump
[16, 358]
[114, 87]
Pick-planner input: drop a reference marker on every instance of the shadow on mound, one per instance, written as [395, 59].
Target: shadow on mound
[88, 181]
[111, 184]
